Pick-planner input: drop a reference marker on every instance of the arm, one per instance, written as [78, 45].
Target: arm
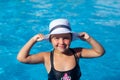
[25, 57]
[96, 50]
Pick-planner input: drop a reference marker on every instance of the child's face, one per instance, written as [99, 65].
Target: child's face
[61, 42]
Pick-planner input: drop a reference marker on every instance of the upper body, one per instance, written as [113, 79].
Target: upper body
[63, 58]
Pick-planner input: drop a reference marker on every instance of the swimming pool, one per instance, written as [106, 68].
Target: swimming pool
[21, 19]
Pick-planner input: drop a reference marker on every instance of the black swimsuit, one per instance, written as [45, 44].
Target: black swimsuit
[73, 74]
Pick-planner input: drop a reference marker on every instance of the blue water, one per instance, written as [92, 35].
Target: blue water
[22, 19]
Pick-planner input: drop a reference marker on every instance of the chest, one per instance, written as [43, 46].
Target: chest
[64, 63]
[65, 69]
[60, 63]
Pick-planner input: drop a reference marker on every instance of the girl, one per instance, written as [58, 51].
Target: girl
[61, 63]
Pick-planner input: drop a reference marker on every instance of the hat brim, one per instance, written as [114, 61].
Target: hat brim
[75, 36]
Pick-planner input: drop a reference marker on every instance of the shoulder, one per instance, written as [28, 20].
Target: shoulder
[44, 54]
[46, 57]
[77, 51]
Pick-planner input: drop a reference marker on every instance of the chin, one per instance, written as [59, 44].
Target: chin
[62, 50]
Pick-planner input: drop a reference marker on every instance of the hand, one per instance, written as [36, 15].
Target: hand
[84, 36]
[38, 37]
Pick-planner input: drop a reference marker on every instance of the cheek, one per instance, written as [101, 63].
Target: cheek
[68, 42]
[53, 42]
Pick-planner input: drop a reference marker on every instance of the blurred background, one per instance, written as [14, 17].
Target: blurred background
[22, 19]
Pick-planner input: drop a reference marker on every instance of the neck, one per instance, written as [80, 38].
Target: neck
[62, 53]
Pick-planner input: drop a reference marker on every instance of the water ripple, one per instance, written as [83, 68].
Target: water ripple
[1, 70]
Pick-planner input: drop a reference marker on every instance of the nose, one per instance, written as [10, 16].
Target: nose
[61, 40]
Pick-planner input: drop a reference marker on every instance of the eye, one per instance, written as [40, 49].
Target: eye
[66, 37]
[56, 37]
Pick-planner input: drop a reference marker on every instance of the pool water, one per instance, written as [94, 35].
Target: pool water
[22, 19]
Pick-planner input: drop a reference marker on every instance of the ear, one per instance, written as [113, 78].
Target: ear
[71, 36]
[50, 39]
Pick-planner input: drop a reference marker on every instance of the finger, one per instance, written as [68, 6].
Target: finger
[82, 35]
[40, 37]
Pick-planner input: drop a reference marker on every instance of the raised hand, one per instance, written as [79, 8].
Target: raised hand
[84, 36]
[38, 37]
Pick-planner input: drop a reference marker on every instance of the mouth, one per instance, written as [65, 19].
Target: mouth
[62, 46]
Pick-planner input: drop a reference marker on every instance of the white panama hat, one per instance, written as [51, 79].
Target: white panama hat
[60, 26]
